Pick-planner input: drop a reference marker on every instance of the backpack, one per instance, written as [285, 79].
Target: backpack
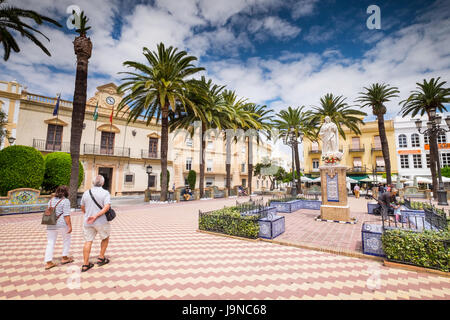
[49, 217]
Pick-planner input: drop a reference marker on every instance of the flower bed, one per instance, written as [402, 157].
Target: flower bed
[429, 249]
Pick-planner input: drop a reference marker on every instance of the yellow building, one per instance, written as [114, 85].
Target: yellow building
[362, 153]
[119, 151]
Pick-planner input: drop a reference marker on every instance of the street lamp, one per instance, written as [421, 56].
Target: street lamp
[291, 140]
[149, 170]
[434, 129]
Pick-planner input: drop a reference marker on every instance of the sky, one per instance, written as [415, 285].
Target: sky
[275, 52]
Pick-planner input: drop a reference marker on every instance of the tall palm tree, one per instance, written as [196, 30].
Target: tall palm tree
[157, 87]
[262, 125]
[209, 111]
[10, 20]
[429, 98]
[83, 50]
[375, 97]
[3, 121]
[299, 120]
[339, 112]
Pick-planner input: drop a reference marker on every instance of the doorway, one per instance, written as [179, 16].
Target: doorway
[107, 174]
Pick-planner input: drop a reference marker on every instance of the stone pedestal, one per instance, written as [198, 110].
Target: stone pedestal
[334, 193]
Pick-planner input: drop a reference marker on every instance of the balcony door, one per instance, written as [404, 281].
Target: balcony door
[153, 147]
[355, 143]
[377, 142]
[107, 143]
[54, 137]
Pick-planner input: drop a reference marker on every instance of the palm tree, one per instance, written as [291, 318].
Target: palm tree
[339, 112]
[159, 86]
[83, 50]
[299, 120]
[375, 97]
[429, 98]
[10, 20]
[262, 124]
[209, 111]
[3, 121]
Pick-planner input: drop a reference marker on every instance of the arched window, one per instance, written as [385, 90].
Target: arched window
[415, 140]
[402, 141]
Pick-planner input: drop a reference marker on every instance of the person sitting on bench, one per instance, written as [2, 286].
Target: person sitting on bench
[187, 194]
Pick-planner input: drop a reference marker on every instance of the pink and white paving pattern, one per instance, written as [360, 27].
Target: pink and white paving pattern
[156, 253]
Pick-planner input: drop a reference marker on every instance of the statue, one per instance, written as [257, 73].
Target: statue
[330, 142]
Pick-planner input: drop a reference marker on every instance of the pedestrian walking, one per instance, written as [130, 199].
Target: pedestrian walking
[63, 227]
[356, 189]
[95, 221]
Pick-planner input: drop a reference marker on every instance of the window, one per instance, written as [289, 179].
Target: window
[314, 146]
[442, 138]
[152, 181]
[209, 165]
[417, 161]
[129, 178]
[428, 160]
[426, 138]
[445, 160]
[189, 142]
[402, 143]
[244, 183]
[380, 163]
[188, 163]
[153, 147]
[54, 137]
[315, 163]
[107, 143]
[357, 164]
[210, 145]
[209, 182]
[243, 167]
[415, 140]
[404, 161]
[355, 143]
[377, 142]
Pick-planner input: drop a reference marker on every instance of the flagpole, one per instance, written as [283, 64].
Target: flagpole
[57, 118]
[95, 130]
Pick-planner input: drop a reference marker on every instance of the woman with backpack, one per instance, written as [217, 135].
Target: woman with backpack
[61, 205]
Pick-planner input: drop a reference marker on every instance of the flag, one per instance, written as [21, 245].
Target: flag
[111, 116]
[96, 112]
[55, 111]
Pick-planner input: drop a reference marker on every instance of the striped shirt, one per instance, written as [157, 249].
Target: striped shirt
[62, 209]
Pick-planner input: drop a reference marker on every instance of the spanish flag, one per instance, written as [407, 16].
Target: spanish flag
[56, 109]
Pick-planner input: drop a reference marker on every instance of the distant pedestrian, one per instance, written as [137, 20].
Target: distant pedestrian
[95, 221]
[63, 226]
[356, 189]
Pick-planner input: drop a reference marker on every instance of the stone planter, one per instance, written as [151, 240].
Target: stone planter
[371, 206]
[294, 205]
[271, 227]
[371, 239]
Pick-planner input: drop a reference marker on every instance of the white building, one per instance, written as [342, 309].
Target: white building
[413, 149]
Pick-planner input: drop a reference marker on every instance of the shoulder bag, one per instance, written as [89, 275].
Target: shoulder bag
[110, 214]
[49, 217]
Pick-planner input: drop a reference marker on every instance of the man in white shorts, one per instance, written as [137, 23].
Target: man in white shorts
[95, 221]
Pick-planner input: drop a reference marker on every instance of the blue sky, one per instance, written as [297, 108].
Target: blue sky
[275, 52]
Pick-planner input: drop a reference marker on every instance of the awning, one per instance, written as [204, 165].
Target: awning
[358, 178]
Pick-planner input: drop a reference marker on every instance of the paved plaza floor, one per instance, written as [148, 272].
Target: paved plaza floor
[157, 253]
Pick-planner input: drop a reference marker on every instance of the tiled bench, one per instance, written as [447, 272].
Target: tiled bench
[23, 200]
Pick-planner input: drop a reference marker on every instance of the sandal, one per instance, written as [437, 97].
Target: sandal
[102, 262]
[68, 261]
[86, 267]
[51, 266]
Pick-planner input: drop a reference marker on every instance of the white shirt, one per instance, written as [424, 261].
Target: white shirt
[62, 210]
[102, 197]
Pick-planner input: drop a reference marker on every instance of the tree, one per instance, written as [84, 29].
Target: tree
[83, 50]
[20, 167]
[429, 98]
[375, 97]
[192, 179]
[3, 121]
[445, 171]
[339, 112]
[267, 169]
[57, 171]
[155, 88]
[11, 20]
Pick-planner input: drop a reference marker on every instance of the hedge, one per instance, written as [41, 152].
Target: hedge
[20, 167]
[192, 178]
[429, 249]
[229, 221]
[58, 166]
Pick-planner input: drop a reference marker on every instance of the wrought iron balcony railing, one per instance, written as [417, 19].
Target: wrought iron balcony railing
[376, 147]
[146, 154]
[311, 150]
[104, 150]
[356, 148]
[358, 169]
[51, 146]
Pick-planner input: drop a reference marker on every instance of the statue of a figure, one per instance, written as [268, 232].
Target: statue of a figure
[330, 137]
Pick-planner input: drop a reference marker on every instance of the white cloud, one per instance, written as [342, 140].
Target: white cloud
[303, 8]
[273, 26]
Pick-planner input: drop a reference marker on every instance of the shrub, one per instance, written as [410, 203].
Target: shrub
[168, 178]
[192, 178]
[229, 221]
[58, 167]
[428, 249]
[20, 167]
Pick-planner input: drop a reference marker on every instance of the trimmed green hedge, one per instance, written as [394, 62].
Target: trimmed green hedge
[424, 249]
[58, 167]
[229, 221]
[20, 167]
[192, 178]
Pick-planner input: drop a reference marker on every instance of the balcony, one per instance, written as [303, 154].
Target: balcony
[376, 147]
[50, 146]
[314, 151]
[358, 169]
[380, 169]
[146, 154]
[356, 148]
[106, 151]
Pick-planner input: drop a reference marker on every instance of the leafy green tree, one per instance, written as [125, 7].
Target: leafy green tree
[375, 97]
[57, 171]
[11, 19]
[157, 87]
[445, 171]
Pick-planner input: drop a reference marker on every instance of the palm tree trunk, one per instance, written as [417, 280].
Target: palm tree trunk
[164, 149]
[297, 166]
[384, 148]
[228, 164]
[250, 163]
[83, 49]
[202, 161]
[434, 153]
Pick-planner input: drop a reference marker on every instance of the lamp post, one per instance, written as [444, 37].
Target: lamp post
[291, 140]
[149, 170]
[434, 129]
